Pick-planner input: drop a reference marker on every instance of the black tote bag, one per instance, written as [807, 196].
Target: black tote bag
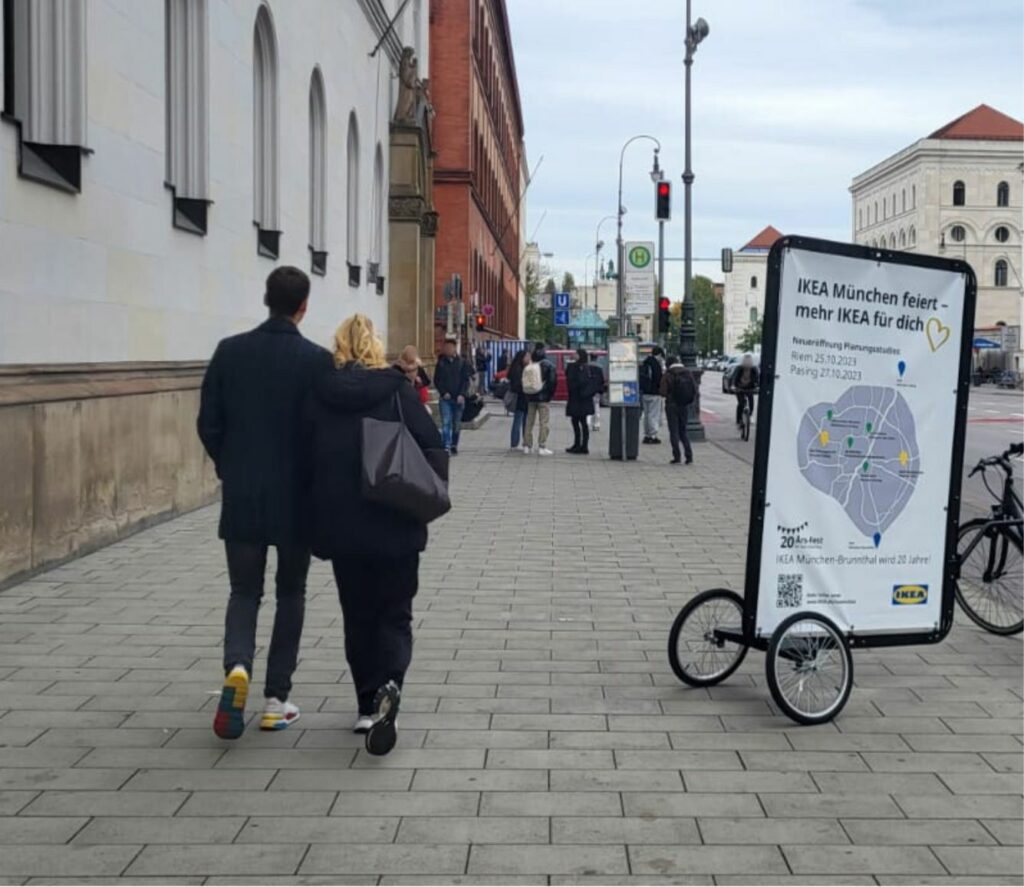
[396, 472]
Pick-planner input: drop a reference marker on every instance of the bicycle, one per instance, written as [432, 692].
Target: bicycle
[744, 424]
[990, 585]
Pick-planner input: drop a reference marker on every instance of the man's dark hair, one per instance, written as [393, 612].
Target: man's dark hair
[538, 346]
[657, 351]
[672, 360]
[581, 355]
[287, 289]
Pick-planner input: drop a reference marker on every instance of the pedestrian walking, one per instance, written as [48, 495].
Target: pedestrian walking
[650, 384]
[679, 390]
[600, 384]
[482, 359]
[580, 405]
[250, 422]
[410, 364]
[516, 399]
[451, 379]
[540, 379]
[374, 549]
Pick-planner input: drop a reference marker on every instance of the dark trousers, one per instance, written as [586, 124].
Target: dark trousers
[580, 433]
[247, 563]
[741, 396]
[376, 601]
[677, 418]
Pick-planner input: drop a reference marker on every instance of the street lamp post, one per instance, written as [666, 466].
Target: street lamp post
[695, 33]
[620, 211]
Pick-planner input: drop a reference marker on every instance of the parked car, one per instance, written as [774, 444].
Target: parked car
[1009, 379]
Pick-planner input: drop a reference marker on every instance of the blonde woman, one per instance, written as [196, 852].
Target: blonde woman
[374, 550]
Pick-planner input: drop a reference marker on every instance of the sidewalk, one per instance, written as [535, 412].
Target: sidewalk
[543, 739]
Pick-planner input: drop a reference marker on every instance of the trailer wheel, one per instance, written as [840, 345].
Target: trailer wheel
[697, 656]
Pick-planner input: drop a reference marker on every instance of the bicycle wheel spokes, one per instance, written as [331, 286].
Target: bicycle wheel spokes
[697, 654]
[991, 584]
[810, 669]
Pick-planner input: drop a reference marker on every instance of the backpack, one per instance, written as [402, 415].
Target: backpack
[533, 379]
[682, 389]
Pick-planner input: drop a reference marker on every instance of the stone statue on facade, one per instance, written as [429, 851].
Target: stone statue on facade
[408, 87]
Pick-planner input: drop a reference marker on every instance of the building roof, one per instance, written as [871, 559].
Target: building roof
[763, 239]
[982, 123]
[588, 319]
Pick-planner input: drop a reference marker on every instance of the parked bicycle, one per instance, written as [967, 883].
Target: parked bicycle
[990, 587]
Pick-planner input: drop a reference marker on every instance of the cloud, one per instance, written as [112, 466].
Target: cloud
[792, 99]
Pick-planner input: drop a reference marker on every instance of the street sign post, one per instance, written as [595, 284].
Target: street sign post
[638, 278]
[561, 317]
[562, 301]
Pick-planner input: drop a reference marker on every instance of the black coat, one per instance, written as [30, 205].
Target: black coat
[515, 384]
[650, 375]
[343, 523]
[582, 387]
[250, 421]
[452, 375]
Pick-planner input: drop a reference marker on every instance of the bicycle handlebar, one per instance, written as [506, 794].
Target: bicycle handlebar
[1001, 461]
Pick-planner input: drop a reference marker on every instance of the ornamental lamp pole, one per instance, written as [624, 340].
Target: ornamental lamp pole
[620, 212]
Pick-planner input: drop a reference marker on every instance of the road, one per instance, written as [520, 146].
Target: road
[995, 419]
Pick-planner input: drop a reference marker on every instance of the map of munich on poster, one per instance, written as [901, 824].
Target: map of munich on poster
[862, 451]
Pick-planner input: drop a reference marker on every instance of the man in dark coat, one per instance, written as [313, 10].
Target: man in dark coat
[679, 390]
[650, 384]
[250, 421]
[451, 378]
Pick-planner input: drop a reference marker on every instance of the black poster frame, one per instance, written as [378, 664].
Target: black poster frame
[769, 351]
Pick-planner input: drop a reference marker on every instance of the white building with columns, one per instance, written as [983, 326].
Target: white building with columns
[954, 193]
[744, 288]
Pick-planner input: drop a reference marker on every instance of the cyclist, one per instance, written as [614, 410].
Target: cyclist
[745, 379]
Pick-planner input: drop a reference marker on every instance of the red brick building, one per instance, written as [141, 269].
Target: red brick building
[478, 140]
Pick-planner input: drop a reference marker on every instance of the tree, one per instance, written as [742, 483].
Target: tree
[708, 316]
[751, 336]
[540, 325]
[568, 283]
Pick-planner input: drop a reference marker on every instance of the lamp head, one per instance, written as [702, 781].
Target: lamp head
[698, 31]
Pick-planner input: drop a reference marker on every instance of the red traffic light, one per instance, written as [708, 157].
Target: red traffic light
[481, 321]
[663, 189]
[664, 304]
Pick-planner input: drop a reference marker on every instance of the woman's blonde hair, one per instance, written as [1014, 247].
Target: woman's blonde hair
[355, 341]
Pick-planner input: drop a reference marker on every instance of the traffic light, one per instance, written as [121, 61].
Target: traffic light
[481, 322]
[663, 201]
[664, 309]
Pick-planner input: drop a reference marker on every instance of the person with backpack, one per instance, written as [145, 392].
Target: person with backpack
[540, 378]
[516, 401]
[650, 384]
[580, 382]
[679, 390]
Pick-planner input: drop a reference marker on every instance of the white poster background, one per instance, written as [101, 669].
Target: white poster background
[638, 283]
[845, 574]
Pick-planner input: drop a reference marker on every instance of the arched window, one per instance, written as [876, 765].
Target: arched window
[379, 213]
[913, 196]
[903, 200]
[318, 172]
[1003, 194]
[44, 59]
[265, 137]
[959, 193]
[753, 283]
[892, 240]
[885, 208]
[1000, 275]
[1002, 234]
[913, 235]
[860, 219]
[187, 114]
[352, 201]
[958, 233]
[903, 238]
[876, 211]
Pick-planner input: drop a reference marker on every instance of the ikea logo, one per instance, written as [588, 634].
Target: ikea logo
[905, 595]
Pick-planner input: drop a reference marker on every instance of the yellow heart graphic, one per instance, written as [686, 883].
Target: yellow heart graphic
[937, 332]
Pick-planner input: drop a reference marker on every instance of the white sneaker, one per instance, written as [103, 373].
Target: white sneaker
[544, 451]
[362, 724]
[526, 450]
[278, 715]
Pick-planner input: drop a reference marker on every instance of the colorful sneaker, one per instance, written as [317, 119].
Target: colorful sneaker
[229, 722]
[380, 738]
[277, 714]
[363, 724]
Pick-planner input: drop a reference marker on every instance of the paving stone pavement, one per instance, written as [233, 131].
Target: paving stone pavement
[543, 738]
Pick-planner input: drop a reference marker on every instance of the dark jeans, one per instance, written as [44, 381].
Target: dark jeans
[376, 601]
[677, 419]
[247, 563]
[451, 421]
[580, 433]
[742, 396]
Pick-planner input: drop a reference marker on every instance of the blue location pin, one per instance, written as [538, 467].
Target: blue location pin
[877, 539]
[902, 367]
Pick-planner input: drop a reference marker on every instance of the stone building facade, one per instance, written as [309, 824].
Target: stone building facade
[478, 176]
[744, 287]
[954, 193]
[157, 160]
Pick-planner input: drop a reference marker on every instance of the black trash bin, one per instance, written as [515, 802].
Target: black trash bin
[631, 415]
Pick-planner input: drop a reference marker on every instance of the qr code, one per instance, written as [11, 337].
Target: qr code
[790, 590]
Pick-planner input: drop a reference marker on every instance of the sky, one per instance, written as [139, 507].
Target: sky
[791, 100]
